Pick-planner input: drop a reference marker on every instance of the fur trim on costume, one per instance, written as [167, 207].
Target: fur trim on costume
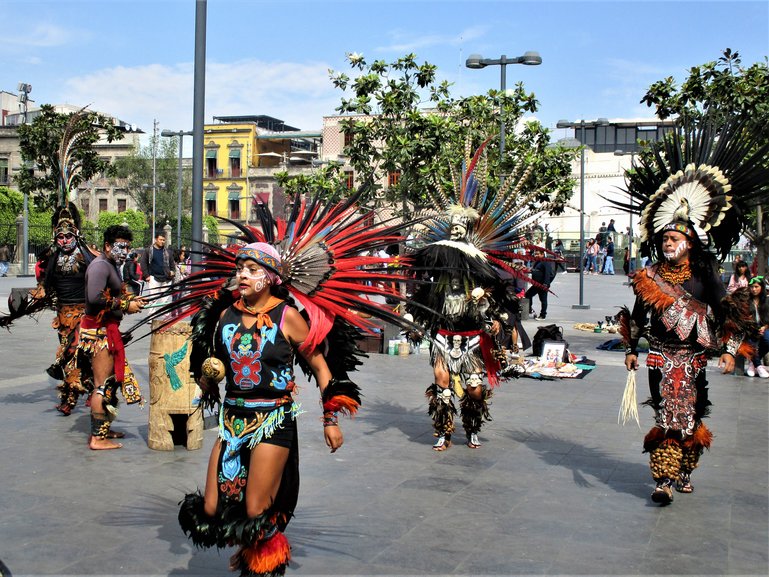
[475, 412]
[442, 412]
[341, 396]
[701, 439]
[202, 529]
[653, 439]
[266, 558]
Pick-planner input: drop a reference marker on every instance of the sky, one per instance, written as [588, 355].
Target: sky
[134, 59]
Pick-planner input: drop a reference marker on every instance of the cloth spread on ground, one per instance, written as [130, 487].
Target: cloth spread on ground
[577, 368]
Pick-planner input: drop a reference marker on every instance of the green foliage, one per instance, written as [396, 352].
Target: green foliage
[39, 143]
[723, 84]
[213, 228]
[328, 180]
[402, 120]
[136, 170]
[11, 203]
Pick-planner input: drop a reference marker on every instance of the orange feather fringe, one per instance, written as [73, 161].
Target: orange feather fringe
[341, 404]
[266, 556]
[702, 438]
[650, 292]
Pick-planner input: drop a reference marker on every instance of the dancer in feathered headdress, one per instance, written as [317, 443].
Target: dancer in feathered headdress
[248, 331]
[468, 253]
[692, 191]
[60, 272]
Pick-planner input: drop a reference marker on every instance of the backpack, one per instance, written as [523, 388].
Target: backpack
[547, 333]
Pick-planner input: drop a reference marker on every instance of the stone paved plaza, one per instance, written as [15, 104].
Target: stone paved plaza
[558, 487]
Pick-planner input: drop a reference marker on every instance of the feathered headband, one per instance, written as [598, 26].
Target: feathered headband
[262, 253]
[700, 180]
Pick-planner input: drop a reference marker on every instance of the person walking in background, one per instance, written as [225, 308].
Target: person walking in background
[558, 250]
[132, 274]
[626, 261]
[543, 272]
[608, 267]
[592, 254]
[159, 268]
[5, 257]
[759, 312]
[740, 277]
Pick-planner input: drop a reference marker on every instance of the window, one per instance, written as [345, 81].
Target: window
[234, 167]
[85, 204]
[348, 138]
[211, 206]
[3, 171]
[102, 205]
[234, 209]
[234, 163]
[349, 181]
[121, 204]
[211, 169]
[393, 178]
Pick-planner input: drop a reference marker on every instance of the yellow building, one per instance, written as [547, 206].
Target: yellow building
[231, 149]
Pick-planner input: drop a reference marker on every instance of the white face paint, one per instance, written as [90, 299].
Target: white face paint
[254, 274]
[674, 246]
[119, 251]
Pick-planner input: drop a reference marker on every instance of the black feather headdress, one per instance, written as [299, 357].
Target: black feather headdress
[706, 176]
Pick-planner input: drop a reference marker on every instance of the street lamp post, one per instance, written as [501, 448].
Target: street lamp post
[154, 188]
[581, 124]
[476, 62]
[181, 134]
[631, 258]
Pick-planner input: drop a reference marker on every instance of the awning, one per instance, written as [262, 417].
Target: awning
[234, 153]
[210, 196]
[211, 153]
[233, 195]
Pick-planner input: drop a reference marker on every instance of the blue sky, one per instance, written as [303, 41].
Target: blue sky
[134, 58]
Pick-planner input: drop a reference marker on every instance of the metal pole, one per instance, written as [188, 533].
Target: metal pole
[179, 196]
[25, 238]
[582, 304]
[503, 88]
[197, 123]
[154, 171]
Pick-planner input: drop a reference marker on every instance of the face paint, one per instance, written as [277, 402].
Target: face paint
[256, 275]
[66, 241]
[679, 251]
[119, 251]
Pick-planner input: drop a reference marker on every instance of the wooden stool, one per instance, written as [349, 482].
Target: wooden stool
[174, 395]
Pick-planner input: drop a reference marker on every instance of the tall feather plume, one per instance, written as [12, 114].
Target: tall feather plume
[329, 266]
[712, 174]
[74, 139]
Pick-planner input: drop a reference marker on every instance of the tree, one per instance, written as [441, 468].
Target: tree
[734, 90]
[11, 203]
[403, 122]
[136, 170]
[39, 143]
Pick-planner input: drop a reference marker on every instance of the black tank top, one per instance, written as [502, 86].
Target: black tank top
[260, 360]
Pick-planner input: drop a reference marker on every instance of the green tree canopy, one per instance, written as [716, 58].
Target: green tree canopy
[402, 120]
[39, 143]
[136, 170]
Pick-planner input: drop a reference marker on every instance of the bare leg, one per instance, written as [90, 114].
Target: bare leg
[212, 482]
[103, 366]
[264, 475]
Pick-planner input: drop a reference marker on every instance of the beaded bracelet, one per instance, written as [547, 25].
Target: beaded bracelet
[330, 419]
